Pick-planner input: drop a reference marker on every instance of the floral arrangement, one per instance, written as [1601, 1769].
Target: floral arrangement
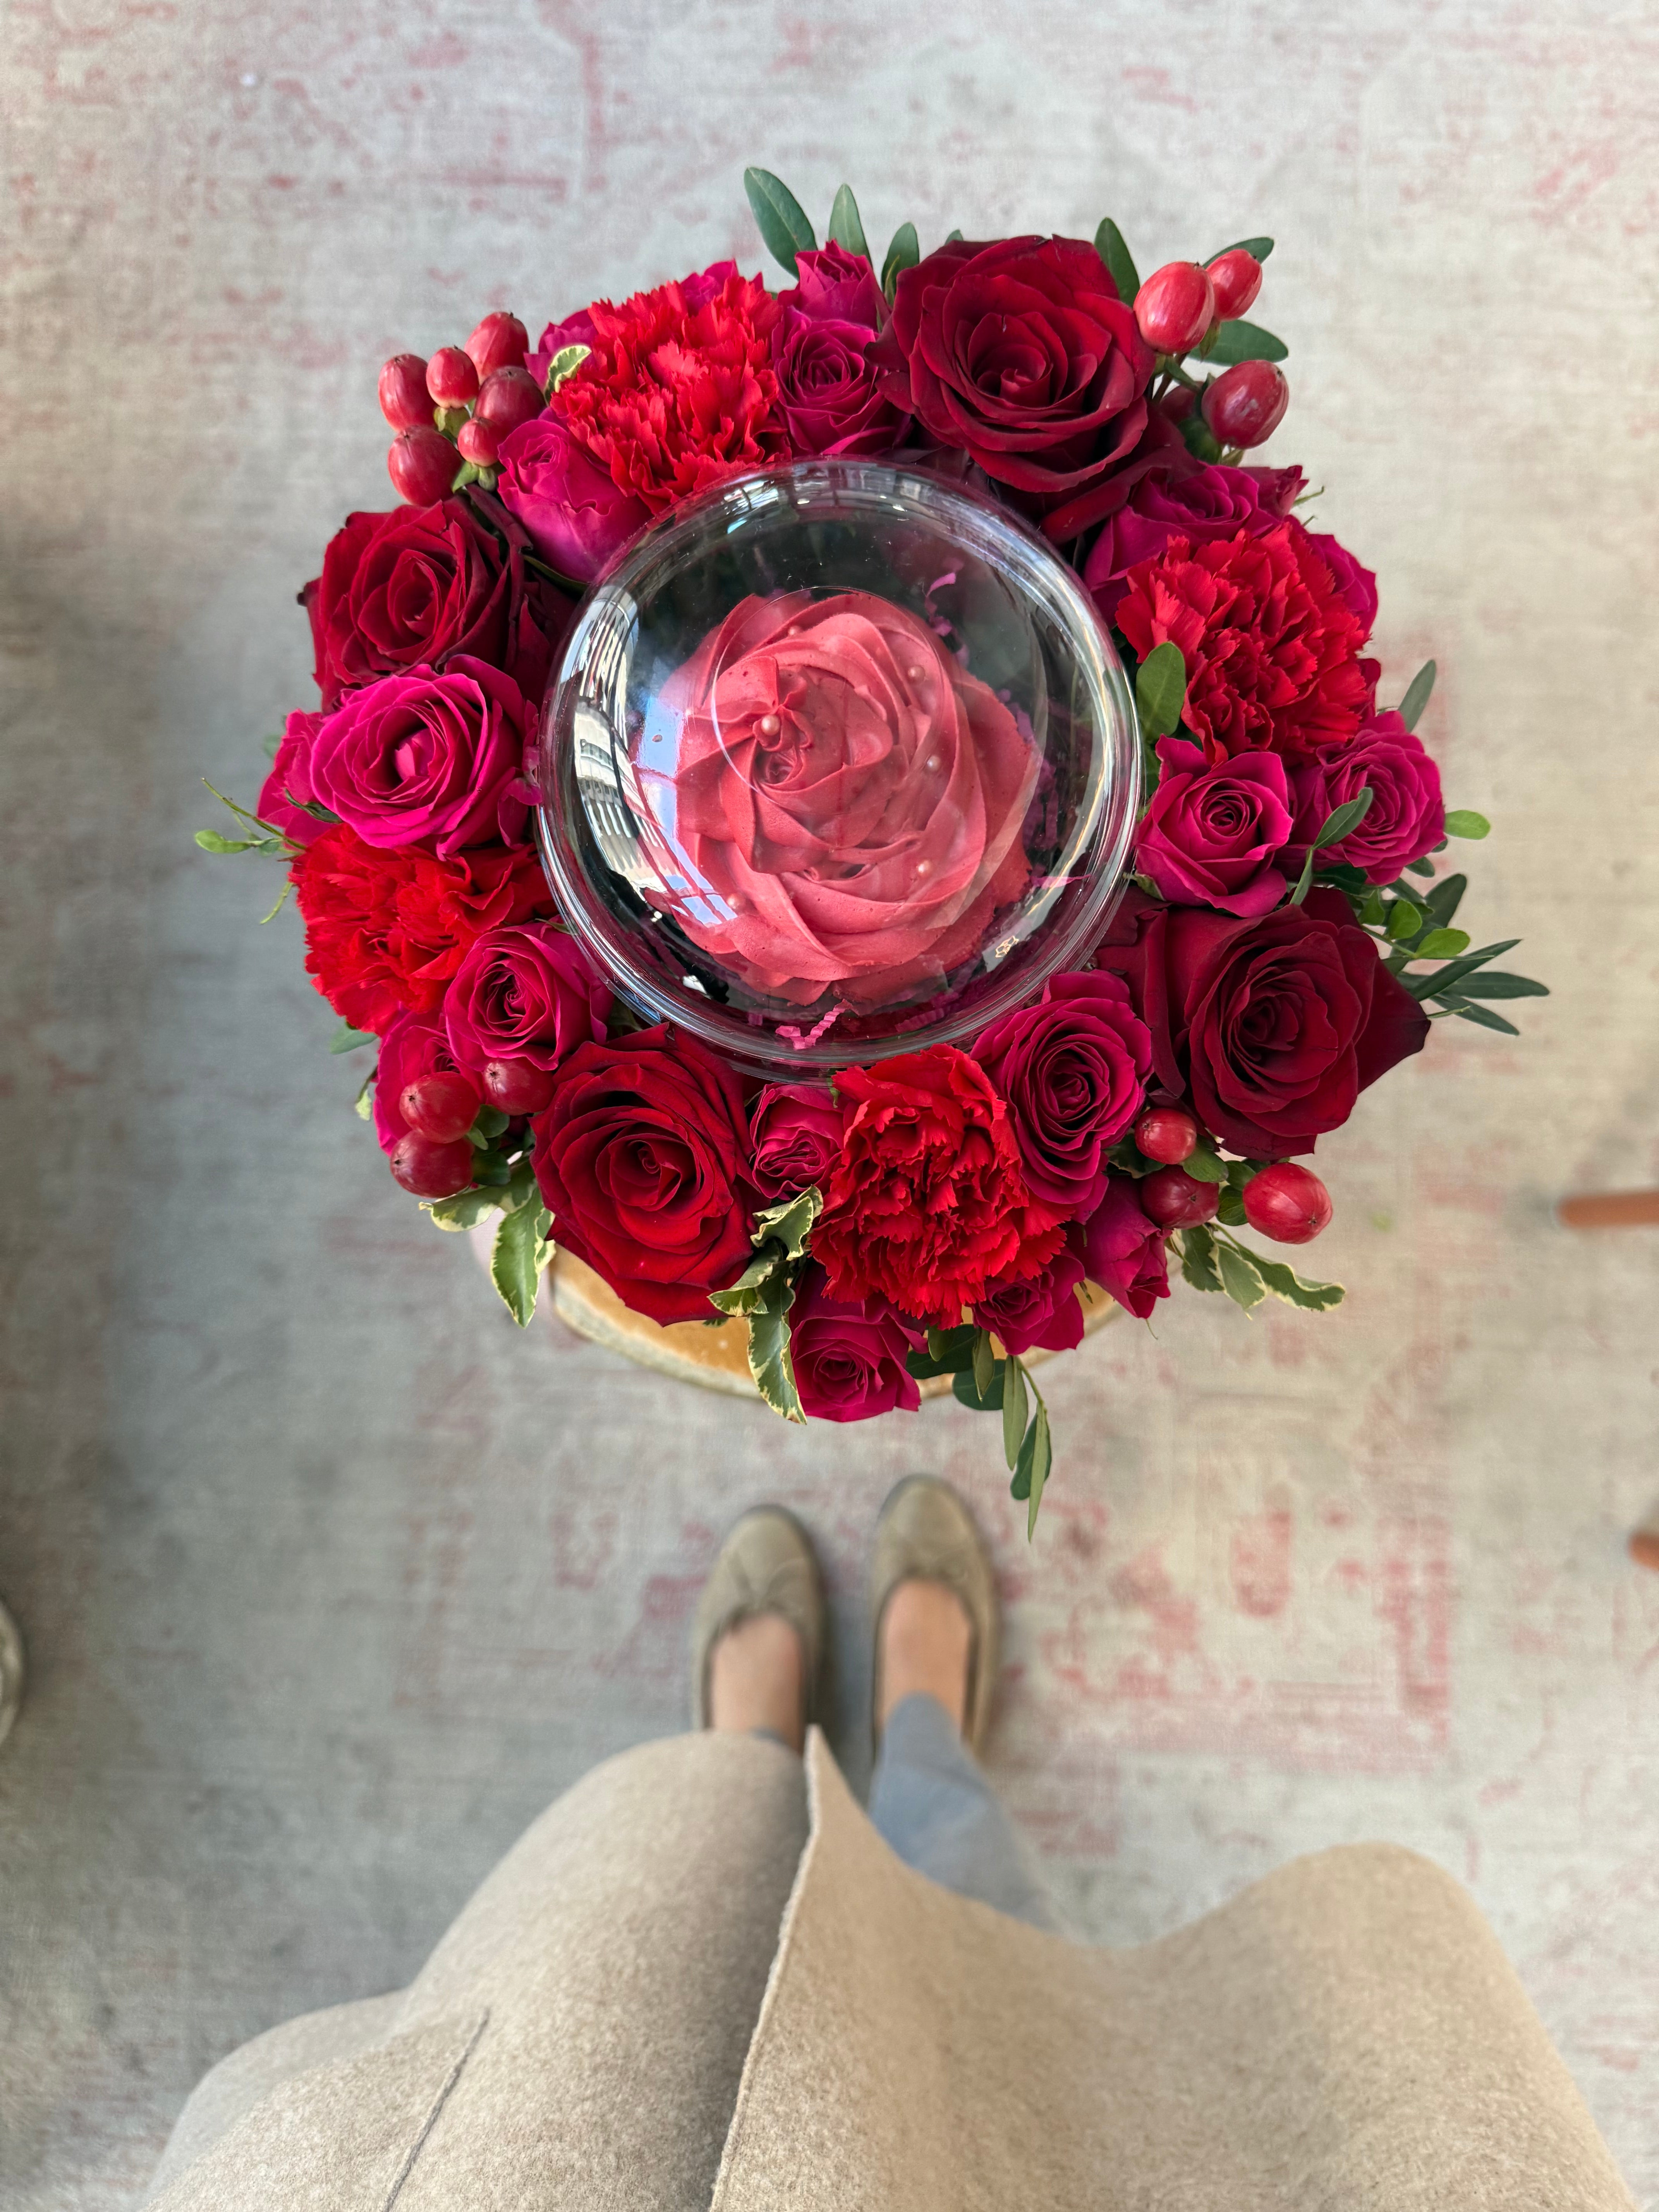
[1287, 938]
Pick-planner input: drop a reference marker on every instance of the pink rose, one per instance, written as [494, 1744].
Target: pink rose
[526, 992]
[425, 759]
[1211, 834]
[849, 1359]
[414, 1045]
[1073, 1069]
[575, 515]
[1181, 499]
[828, 398]
[847, 798]
[1044, 1311]
[1124, 1249]
[796, 1128]
[287, 791]
[1407, 817]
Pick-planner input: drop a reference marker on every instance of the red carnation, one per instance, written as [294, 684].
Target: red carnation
[1271, 644]
[675, 396]
[385, 930]
[928, 1204]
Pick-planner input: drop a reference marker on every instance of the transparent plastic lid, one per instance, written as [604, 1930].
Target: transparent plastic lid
[839, 763]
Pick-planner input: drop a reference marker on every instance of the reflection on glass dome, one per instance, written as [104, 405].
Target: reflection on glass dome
[838, 763]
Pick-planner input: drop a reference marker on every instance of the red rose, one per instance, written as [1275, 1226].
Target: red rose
[641, 1159]
[1021, 354]
[796, 1132]
[1271, 644]
[1073, 1068]
[1040, 1311]
[674, 396]
[1125, 1251]
[413, 588]
[845, 797]
[1274, 1025]
[927, 1206]
[828, 399]
[384, 931]
[524, 993]
[849, 1359]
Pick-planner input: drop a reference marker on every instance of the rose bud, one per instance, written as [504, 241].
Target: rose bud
[501, 341]
[442, 1106]
[421, 465]
[451, 377]
[1174, 307]
[1244, 405]
[405, 400]
[1167, 1134]
[507, 398]
[431, 1169]
[1176, 1199]
[517, 1086]
[1288, 1203]
[1236, 276]
[479, 443]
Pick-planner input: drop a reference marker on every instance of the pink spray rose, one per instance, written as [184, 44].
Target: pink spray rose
[1043, 1312]
[285, 791]
[526, 992]
[796, 1128]
[575, 515]
[1211, 834]
[1407, 817]
[828, 398]
[1124, 1249]
[1182, 499]
[1073, 1069]
[849, 1359]
[845, 797]
[424, 759]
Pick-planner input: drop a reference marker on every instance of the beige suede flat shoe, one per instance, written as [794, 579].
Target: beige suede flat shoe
[927, 1533]
[767, 1564]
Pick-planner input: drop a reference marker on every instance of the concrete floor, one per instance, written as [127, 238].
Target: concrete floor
[330, 1579]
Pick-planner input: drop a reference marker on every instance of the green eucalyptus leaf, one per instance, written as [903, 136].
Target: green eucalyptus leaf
[950, 1351]
[1417, 696]
[492, 1169]
[1284, 1283]
[1161, 689]
[1483, 1016]
[1403, 921]
[779, 216]
[1346, 817]
[1442, 902]
[1036, 1467]
[969, 1394]
[490, 1122]
[1498, 983]
[1013, 1411]
[1119, 262]
[346, 1039]
[984, 1363]
[1420, 868]
[1241, 1277]
[846, 227]
[1440, 944]
[1371, 911]
[1258, 249]
[1229, 1209]
[1238, 340]
[520, 1252]
[1204, 1166]
[1464, 822]
[1199, 439]
[904, 253]
[1443, 979]
[1300, 891]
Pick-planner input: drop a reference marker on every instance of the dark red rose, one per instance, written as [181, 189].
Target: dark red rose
[1021, 353]
[384, 931]
[927, 1205]
[828, 399]
[414, 1045]
[1073, 1068]
[412, 588]
[1124, 1250]
[1213, 831]
[1407, 817]
[796, 1132]
[1271, 644]
[1043, 1311]
[1274, 1025]
[643, 1159]
[524, 993]
[849, 1359]
[286, 791]
[1184, 498]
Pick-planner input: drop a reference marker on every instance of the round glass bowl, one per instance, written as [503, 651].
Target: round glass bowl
[839, 764]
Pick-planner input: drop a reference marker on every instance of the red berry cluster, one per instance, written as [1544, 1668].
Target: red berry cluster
[434, 1159]
[1283, 1201]
[465, 400]
[1181, 307]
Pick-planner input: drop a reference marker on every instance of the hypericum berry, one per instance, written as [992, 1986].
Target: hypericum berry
[405, 400]
[1245, 404]
[421, 465]
[1236, 276]
[1177, 1200]
[1288, 1203]
[507, 398]
[442, 1106]
[451, 378]
[501, 341]
[517, 1086]
[1174, 307]
[1167, 1134]
[431, 1169]
[479, 443]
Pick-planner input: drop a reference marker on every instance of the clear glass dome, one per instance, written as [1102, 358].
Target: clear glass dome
[839, 763]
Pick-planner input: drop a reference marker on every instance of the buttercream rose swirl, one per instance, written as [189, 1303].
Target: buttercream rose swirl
[835, 802]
